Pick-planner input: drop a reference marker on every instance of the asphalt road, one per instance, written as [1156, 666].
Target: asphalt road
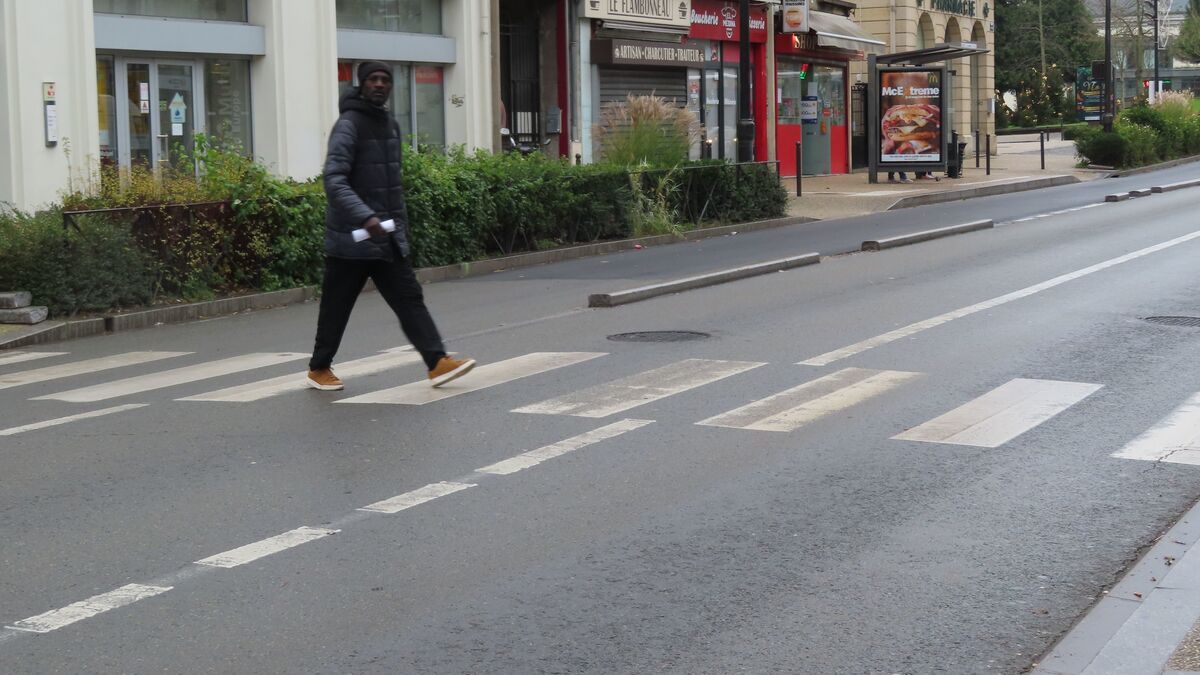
[677, 530]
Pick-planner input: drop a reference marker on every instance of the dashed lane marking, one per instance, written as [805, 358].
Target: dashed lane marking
[86, 609]
[266, 547]
[21, 357]
[532, 458]
[417, 497]
[1175, 439]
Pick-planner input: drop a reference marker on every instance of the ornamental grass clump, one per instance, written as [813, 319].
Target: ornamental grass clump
[646, 131]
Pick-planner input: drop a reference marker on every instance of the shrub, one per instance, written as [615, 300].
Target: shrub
[1142, 144]
[98, 267]
[1101, 147]
[646, 130]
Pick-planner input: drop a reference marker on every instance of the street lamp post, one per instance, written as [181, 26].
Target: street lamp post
[745, 130]
[1154, 17]
[1108, 74]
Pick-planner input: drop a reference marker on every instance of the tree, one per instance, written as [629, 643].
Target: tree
[1039, 43]
[1188, 42]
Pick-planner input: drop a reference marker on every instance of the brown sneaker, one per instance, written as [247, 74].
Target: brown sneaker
[448, 369]
[324, 379]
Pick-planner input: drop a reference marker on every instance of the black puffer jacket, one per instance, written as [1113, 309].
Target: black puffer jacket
[363, 179]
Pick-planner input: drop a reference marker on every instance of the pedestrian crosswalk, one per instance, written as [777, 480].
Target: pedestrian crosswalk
[990, 419]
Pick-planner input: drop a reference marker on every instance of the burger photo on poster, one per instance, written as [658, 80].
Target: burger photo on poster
[911, 123]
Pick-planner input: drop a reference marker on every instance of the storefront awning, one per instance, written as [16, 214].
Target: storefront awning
[834, 30]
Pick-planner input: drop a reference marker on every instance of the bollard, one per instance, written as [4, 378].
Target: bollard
[799, 170]
[1042, 139]
[578, 159]
[987, 152]
[976, 148]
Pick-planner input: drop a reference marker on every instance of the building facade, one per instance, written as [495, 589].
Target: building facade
[134, 81]
[906, 25]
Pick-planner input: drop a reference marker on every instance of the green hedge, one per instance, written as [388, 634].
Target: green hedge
[1142, 135]
[240, 229]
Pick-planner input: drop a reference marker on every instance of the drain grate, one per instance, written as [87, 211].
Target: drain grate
[1190, 321]
[659, 336]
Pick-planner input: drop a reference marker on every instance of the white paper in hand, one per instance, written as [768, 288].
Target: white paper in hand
[361, 233]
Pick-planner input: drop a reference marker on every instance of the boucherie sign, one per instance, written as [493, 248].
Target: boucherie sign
[652, 12]
[718, 20]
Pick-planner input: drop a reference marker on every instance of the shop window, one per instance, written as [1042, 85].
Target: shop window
[227, 103]
[107, 100]
[209, 10]
[401, 16]
[418, 100]
[431, 105]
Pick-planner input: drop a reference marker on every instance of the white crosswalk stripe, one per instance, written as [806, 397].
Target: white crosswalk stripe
[256, 391]
[789, 410]
[1002, 414]
[645, 387]
[532, 458]
[266, 547]
[170, 378]
[1175, 439]
[7, 358]
[490, 375]
[83, 367]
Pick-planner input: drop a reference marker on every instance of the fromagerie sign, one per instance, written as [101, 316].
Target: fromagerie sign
[656, 12]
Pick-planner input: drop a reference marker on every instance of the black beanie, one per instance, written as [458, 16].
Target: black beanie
[367, 67]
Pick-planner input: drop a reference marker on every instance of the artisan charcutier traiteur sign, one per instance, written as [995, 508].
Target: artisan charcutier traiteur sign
[654, 12]
[618, 52]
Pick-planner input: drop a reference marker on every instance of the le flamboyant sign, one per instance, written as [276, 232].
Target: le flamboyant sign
[653, 12]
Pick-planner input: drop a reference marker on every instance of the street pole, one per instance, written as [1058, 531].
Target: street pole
[1156, 85]
[1108, 78]
[745, 132]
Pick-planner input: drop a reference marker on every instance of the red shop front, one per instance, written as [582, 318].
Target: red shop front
[811, 98]
[713, 89]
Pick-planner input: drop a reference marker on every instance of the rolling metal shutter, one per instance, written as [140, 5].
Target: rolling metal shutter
[618, 83]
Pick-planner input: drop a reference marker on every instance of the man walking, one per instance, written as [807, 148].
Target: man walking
[366, 232]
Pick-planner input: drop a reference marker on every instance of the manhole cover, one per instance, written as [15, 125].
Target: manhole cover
[1192, 321]
[659, 336]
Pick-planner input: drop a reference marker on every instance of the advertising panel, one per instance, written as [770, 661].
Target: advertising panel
[1089, 95]
[795, 16]
[910, 116]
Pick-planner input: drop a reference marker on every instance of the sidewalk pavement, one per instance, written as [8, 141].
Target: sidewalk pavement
[1018, 160]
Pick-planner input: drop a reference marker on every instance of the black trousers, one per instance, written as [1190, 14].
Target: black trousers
[396, 282]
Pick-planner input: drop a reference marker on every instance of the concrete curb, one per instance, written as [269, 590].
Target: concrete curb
[689, 283]
[926, 235]
[1117, 197]
[481, 267]
[1171, 187]
[66, 330]
[982, 191]
[1154, 167]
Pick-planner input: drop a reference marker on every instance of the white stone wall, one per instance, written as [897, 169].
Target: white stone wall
[46, 41]
[293, 88]
[471, 97]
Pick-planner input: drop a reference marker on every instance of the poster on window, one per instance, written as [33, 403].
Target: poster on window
[910, 116]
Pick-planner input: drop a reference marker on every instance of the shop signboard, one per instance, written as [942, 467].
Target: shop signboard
[1089, 95]
[619, 52]
[911, 102]
[676, 13]
[795, 16]
[718, 20]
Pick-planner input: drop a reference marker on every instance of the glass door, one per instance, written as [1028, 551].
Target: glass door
[159, 112]
[175, 102]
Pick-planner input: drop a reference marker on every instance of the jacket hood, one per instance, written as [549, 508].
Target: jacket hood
[353, 100]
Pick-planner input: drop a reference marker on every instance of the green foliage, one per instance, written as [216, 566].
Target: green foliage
[1187, 43]
[646, 131]
[98, 267]
[1064, 29]
[1100, 147]
[231, 226]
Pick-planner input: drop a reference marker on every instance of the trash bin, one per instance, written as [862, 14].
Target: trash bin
[956, 151]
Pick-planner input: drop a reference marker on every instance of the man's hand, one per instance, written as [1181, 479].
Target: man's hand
[373, 227]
